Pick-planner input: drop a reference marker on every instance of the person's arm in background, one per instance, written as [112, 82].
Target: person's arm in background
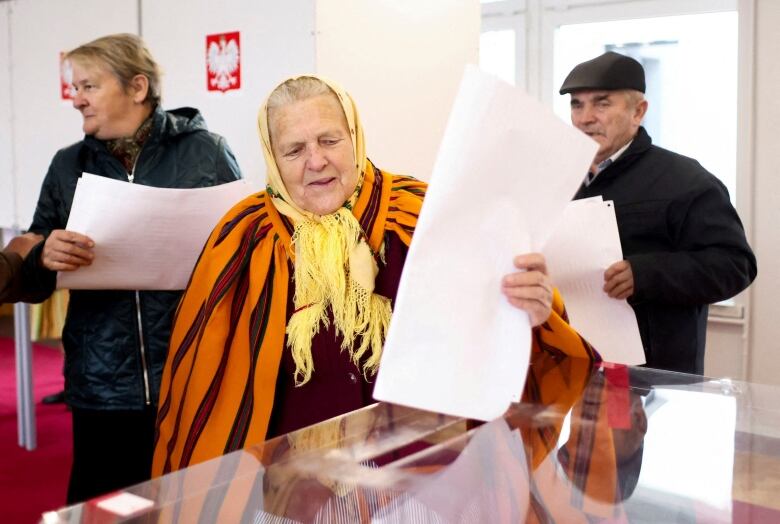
[11, 260]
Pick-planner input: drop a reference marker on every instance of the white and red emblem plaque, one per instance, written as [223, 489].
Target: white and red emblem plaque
[223, 61]
[66, 79]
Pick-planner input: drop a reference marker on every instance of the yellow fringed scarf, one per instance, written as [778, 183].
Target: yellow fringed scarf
[327, 276]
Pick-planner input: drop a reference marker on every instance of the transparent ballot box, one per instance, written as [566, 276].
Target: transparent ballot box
[587, 443]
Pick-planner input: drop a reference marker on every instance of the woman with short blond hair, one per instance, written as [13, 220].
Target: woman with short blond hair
[116, 340]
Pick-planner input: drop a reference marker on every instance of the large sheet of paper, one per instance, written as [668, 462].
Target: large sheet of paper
[145, 237]
[506, 168]
[585, 243]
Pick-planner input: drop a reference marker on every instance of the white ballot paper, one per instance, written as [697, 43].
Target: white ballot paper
[145, 237]
[506, 168]
[585, 243]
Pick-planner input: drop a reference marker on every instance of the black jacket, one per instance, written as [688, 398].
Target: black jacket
[685, 244]
[116, 341]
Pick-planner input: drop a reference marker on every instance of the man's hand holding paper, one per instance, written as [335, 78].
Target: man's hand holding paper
[619, 280]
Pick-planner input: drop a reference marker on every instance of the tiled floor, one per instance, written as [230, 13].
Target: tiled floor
[756, 479]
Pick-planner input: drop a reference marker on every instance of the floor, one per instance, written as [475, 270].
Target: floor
[756, 479]
[32, 482]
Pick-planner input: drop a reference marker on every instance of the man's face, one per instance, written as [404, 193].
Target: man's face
[611, 118]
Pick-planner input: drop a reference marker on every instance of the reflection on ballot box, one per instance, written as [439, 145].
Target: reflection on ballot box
[587, 443]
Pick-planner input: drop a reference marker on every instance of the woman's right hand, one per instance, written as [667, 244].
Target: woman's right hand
[67, 251]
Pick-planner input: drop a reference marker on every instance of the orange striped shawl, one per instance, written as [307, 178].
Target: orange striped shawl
[219, 380]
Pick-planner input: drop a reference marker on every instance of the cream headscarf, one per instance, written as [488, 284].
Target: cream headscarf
[334, 266]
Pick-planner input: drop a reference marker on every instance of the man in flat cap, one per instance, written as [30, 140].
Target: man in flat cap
[683, 244]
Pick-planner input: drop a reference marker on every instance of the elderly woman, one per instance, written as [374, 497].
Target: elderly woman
[116, 341]
[284, 318]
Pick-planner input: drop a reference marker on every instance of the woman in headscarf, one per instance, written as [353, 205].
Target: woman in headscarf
[283, 321]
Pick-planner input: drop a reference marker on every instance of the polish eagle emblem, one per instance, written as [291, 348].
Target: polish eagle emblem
[67, 92]
[223, 62]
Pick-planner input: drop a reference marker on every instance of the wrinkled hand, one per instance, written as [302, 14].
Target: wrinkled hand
[67, 251]
[23, 244]
[530, 288]
[619, 280]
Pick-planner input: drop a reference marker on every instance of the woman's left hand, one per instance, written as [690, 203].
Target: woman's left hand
[530, 288]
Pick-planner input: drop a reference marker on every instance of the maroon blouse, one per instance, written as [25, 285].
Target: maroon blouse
[337, 386]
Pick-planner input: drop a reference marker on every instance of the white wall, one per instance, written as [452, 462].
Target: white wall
[726, 344]
[6, 165]
[764, 360]
[402, 61]
[42, 122]
[277, 41]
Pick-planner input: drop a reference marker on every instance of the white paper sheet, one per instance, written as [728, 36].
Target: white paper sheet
[125, 504]
[585, 243]
[145, 237]
[506, 168]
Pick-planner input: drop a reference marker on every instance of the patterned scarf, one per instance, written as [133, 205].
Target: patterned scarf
[127, 149]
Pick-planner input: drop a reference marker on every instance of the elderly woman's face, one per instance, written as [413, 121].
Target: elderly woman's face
[104, 104]
[313, 150]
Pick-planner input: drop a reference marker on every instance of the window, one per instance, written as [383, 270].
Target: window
[502, 45]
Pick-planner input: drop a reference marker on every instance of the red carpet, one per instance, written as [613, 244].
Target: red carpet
[32, 482]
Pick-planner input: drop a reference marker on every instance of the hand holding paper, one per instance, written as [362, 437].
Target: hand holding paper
[530, 288]
[67, 251]
[619, 280]
[505, 170]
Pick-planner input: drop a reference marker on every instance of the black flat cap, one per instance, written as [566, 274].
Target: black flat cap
[609, 71]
